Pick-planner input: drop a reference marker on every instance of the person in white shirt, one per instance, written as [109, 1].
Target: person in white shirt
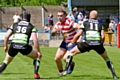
[113, 26]
[80, 16]
[70, 16]
[16, 17]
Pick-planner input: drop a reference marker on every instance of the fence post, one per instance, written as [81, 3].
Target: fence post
[69, 6]
[43, 16]
[118, 27]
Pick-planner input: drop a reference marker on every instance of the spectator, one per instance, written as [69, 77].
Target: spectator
[112, 15]
[85, 18]
[50, 20]
[46, 28]
[82, 11]
[16, 17]
[116, 19]
[75, 13]
[71, 17]
[107, 20]
[80, 18]
[100, 20]
[113, 26]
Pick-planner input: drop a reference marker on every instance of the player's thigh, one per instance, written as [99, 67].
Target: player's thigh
[74, 51]
[12, 51]
[66, 54]
[33, 54]
[101, 51]
[60, 53]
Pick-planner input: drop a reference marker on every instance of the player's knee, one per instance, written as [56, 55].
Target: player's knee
[57, 58]
[64, 59]
[39, 56]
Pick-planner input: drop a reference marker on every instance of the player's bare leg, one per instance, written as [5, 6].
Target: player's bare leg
[6, 61]
[59, 55]
[34, 55]
[73, 52]
[109, 64]
[72, 63]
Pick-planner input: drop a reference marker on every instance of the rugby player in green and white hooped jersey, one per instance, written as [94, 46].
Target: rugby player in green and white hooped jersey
[94, 39]
[22, 31]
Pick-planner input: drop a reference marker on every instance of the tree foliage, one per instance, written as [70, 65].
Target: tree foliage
[12, 3]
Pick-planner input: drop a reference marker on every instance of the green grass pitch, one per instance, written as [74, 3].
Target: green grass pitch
[89, 66]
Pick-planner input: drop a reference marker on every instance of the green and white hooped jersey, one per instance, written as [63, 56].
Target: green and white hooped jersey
[22, 32]
[92, 29]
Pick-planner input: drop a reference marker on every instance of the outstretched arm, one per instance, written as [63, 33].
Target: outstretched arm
[35, 41]
[76, 37]
[54, 30]
[103, 36]
[8, 34]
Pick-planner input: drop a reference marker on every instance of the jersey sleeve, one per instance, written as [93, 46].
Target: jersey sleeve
[34, 29]
[103, 27]
[72, 23]
[11, 27]
[82, 26]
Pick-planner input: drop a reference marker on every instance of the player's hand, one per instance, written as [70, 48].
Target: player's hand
[78, 41]
[5, 49]
[70, 44]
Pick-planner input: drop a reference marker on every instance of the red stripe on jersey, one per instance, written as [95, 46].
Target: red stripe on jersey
[72, 34]
[67, 28]
[72, 30]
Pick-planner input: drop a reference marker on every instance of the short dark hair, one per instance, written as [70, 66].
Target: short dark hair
[26, 16]
[61, 10]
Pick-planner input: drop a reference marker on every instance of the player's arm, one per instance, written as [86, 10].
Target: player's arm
[103, 36]
[6, 39]
[55, 29]
[76, 37]
[77, 26]
[35, 41]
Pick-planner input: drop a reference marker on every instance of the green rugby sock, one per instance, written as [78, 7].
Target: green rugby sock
[110, 66]
[68, 61]
[36, 64]
[3, 66]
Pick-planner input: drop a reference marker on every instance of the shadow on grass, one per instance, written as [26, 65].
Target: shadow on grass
[43, 78]
[76, 77]
[91, 76]
[51, 78]
[12, 73]
[28, 77]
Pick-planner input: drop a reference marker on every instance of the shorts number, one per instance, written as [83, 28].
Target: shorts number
[21, 29]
